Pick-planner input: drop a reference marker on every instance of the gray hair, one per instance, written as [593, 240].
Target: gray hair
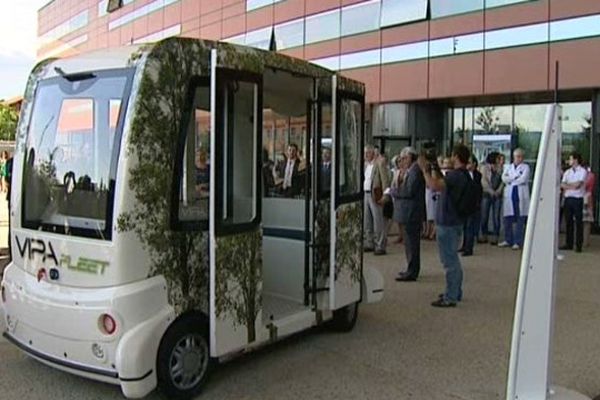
[409, 151]
[519, 151]
[369, 147]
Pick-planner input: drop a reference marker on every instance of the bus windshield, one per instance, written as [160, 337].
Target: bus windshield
[72, 148]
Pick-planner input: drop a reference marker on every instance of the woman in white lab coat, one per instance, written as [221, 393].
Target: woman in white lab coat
[516, 200]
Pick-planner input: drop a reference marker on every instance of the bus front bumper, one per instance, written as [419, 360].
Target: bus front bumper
[58, 326]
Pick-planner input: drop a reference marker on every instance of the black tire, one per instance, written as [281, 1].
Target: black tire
[345, 318]
[185, 344]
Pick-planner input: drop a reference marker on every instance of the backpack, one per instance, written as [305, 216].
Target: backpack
[468, 201]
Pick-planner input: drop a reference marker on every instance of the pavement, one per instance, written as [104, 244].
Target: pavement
[401, 348]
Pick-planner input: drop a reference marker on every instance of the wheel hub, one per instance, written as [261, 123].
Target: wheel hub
[189, 361]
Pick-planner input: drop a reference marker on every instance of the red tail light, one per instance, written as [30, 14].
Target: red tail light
[108, 324]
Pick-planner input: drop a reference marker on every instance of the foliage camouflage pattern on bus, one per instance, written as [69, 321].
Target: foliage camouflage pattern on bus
[182, 256]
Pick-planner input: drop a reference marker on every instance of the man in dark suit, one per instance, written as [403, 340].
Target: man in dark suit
[293, 176]
[325, 171]
[409, 210]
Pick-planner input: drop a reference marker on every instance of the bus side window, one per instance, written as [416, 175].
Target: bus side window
[194, 181]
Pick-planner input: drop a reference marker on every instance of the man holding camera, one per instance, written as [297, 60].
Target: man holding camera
[449, 218]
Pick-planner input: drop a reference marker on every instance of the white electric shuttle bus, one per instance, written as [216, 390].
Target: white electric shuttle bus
[178, 202]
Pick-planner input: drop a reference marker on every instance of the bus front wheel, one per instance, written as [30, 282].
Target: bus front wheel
[345, 318]
[184, 361]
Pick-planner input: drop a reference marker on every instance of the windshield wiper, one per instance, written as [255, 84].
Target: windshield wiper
[80, 76]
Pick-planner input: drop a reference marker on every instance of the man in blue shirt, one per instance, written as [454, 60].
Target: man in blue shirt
[449, 224]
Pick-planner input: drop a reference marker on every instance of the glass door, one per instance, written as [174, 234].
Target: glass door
[235, 234]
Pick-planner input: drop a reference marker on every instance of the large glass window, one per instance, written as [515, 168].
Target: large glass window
[194, 186]
[362, 17]
[500, 3]
[443, 8]
[322, 27]
[70, 152]
[290, 34]
[577, 129]
[349, 150]
[395, 12]
[261, 39]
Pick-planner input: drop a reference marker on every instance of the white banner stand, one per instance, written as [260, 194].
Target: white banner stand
[529, 372]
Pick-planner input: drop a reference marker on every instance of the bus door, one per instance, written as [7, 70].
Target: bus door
[235, 232]
[322, 175]
[346, 202]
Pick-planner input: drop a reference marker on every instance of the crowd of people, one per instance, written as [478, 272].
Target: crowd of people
[459, 203]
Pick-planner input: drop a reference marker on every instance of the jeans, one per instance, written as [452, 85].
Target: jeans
[471, 229]
[514, 237]
[448, 238]
[574, 211]
[493, 206]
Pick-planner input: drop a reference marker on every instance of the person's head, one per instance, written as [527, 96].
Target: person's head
[369, 153]
[491, 158]
[500, 159]
[447, 163]
[575, 159]
[4, 155]
[473, 164]
[292, 151]
[408, 156]
[460, 155]
[326, 155]
[376, 150]
[518, 156]
[201, 158]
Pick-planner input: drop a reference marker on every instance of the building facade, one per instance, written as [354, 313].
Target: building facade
[437, 71]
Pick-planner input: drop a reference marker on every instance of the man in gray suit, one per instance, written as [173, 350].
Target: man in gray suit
[409, 210]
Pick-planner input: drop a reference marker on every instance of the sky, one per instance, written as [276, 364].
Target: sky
[18, 38]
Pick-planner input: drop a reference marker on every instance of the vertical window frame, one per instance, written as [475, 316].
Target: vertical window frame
[223, 228]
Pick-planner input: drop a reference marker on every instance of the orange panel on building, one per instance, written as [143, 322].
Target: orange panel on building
[317, 6]
[365, 41]
[574, 73]
[416, 32]
[260, 18]
[404, 81]
[456, 76]
[456, 25]
[288, 10]
[520, 14]
[522, 69]
[371, 77]
[323, 49]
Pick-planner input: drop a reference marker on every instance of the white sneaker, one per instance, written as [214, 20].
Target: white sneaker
[504, 244]
[516, 247]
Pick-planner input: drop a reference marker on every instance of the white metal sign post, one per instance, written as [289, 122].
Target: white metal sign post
[530, 358]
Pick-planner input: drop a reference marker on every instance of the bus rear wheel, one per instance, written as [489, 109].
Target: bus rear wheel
[345, 318]
[184, 358]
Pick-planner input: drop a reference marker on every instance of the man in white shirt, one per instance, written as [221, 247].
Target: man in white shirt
[573, 186]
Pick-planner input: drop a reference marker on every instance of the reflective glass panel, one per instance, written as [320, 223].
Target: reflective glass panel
[529, 125]
[519, 36]
[405, 52]
[260, 38]
[442, 8]
[576, 129]
[500, 3]
[324, 26]
[362, 17]
[290, 34]
[394, 12]
[575, 28]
